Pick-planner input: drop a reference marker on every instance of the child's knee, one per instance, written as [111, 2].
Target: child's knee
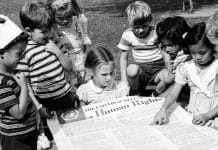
[132, 70]
[165, 76]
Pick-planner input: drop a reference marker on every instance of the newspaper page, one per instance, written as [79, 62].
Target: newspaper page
[131, 129]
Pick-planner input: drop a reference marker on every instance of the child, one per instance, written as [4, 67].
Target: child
[43, 62]
[212, 30]
[73, 24]
[18, 127]
[148, 64]
[102, 86]
[201, 74]
[170, 33]
[170, 36]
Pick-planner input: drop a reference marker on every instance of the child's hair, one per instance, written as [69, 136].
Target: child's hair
[35, 14]
[171, 30]
[212, 27]
[138, 11]
[97, 56]
[196, 34]
[75, 10]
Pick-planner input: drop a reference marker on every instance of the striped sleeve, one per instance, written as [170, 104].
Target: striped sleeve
[23, 65]
[7, 97]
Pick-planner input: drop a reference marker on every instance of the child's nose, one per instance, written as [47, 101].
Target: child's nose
[108, 77]
[198, 57]
[140, 30]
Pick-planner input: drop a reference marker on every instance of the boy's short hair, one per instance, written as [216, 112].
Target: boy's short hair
[138, 10]
[35, 14]
[212, 27]
[9, 32]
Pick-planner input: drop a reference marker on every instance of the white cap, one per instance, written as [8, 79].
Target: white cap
[8, 31]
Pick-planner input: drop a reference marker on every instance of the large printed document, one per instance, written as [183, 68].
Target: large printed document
[125, 124]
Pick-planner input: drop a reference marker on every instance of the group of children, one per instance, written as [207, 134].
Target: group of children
[35, 64]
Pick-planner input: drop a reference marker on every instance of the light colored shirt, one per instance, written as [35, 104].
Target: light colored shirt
[203, 83]
[90, 93]
[143, 49]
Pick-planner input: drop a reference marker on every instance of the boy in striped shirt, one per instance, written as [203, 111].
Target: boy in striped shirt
[44, 63]
[17, 111]
[141, 39]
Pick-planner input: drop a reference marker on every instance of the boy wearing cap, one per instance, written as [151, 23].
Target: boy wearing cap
[17, 111]
[44, 63]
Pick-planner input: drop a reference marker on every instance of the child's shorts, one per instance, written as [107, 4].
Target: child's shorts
[20, 142]
[150, 70]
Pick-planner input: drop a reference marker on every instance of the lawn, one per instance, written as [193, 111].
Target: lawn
[107, 18]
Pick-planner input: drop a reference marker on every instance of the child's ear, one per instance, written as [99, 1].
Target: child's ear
[27, 30]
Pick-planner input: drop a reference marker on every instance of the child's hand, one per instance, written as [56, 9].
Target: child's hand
[21, 80]
[200, 119]
[52, 47]
[161, 117]
[45, 113]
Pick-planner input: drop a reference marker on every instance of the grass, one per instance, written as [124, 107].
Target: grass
[107, 18]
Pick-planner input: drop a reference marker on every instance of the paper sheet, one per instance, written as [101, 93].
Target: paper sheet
[130, 129]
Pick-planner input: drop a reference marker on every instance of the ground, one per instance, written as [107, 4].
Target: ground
[107, 18]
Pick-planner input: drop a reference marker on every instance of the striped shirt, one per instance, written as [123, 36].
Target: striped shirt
[44, 71]
[144, 50]
[9, 94]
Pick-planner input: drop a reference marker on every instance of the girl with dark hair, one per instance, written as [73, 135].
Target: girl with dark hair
[201, 74]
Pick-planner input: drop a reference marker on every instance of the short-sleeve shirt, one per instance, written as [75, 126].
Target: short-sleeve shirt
[203, 83]
[9, 96]
[90, 93]
[45, 72]
[143, 49]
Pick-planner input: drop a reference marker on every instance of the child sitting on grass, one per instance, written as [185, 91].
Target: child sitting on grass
[170, 33]
[102, 86]
[141, 39]
[18, 127]
[201, 74]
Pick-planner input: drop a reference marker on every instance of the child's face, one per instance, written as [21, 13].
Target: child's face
[141, 28]
[171, 49]
[40, 36]
[201, 54]
[13, 56]
[63, 13]
[103, 75]
[212, 35]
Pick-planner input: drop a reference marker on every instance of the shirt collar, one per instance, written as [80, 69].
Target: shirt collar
[97, 89]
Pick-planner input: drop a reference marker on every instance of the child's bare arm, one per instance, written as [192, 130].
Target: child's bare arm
[43, 111]
[161, 117]
[167, 60]
[123, 65]
[18, 111]
[65, 61]
[202, 119]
